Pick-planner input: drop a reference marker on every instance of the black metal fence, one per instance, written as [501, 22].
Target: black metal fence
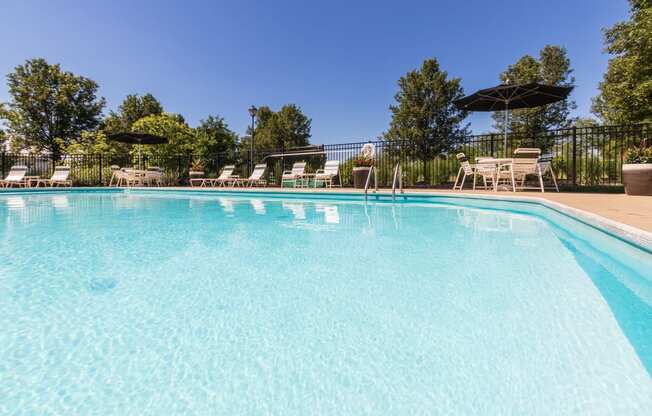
[587, 156]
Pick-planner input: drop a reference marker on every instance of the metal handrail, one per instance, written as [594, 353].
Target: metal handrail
[398, 173]
[366, 185]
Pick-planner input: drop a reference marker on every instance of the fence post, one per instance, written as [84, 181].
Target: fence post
[492, 144]
[101, 157]
[574, 159]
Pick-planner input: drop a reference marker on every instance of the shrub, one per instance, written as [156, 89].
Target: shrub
[639, 154]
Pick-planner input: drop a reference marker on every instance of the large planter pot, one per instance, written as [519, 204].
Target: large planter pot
[637, 178]
[360, 175]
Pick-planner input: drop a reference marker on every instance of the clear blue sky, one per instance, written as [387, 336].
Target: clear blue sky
[338, 60]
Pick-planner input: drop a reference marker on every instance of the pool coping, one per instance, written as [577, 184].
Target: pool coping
[627, 233]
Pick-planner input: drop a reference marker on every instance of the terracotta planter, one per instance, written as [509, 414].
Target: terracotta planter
[196, 173]
[360, 174]
[637, 178]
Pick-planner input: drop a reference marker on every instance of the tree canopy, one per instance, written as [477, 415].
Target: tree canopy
[424, 115]
[50, 108]
[214, 136]
[286, 128]
[132, 109]
[553, 67]
[172, 126]
[626, 90]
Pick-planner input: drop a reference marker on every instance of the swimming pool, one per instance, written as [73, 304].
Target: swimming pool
[147, 302]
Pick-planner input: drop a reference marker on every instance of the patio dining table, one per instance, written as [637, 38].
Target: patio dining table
[494, 162]
[543, 166]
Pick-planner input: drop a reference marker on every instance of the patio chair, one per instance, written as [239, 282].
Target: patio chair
[225, 177]
[132, 177]
[487, 169]
[526, 162]
[294, 175]
[256, 177]
[505, 172]
[545, 166]
[466, 169]
[16, 177]
[59, 177]
[154, 176]
[123, 177]
[116, 176]
[326, 175]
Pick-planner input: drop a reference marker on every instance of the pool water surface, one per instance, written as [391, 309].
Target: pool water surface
[169, 302]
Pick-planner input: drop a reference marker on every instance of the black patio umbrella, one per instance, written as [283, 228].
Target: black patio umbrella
[510, 97]
[137, 138]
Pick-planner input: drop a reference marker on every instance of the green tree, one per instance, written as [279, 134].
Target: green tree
[49, 107]
[213, 136]
[425, 122]
[132, 109]
[626, 90]
[181, 138]
[552, 68]
[582, 122]
[287, 128]
[92, 143]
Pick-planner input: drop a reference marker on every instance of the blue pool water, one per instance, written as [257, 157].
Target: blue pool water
[152, 303]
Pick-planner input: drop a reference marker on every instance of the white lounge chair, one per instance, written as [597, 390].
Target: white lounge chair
[59, 177]
[294, 175]
[326, 175]
[16, 177]
[197, 178]
[256, 177]
[225, 177]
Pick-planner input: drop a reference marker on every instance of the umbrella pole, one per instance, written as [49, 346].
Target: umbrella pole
[505, 128]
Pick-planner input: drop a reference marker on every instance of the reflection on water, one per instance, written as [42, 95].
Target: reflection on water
[258, 206]
[60, 201]
[227, 205]
[331, 214]
[489, 221]
[296, 208]
[15, 203]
